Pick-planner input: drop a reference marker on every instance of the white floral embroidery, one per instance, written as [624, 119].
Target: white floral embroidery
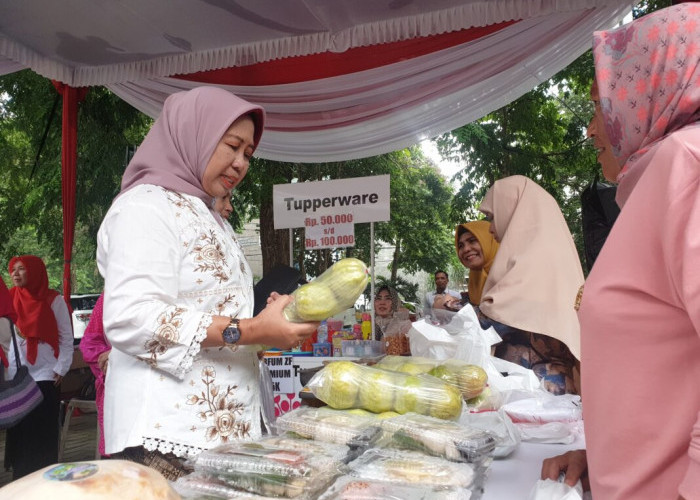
[220, 409]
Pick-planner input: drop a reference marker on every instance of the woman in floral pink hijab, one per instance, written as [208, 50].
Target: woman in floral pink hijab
[640, 310]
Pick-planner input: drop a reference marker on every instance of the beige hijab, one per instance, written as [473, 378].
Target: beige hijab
[536, 274]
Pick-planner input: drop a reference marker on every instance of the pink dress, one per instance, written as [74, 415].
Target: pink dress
[640, 310]
[640, 336]
[92, 345]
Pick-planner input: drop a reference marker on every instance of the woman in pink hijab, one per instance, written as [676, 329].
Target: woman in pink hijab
[182, 375]
[640, 309]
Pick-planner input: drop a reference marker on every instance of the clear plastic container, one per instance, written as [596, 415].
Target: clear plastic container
[267, 469]
[201, 485]
[441, 438]
[322, 332]
[357, 429]
[401, 466]
[352, 488]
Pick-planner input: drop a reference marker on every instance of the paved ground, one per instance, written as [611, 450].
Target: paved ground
[80, 443]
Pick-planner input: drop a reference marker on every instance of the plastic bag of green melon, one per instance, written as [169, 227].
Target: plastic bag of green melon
[470, 379]
[334, 291]
[344, 385]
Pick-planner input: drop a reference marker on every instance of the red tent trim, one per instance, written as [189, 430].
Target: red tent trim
[330, 64]
[69, 159]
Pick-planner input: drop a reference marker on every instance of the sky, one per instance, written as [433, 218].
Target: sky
[447, 168]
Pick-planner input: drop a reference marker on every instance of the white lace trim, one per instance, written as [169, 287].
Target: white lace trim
[177, 449]
[201, 334]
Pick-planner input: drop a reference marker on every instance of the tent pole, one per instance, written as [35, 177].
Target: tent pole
[371, 283]
[291, 247]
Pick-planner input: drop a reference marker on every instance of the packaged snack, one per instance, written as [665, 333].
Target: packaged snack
[400, 466]
[351, 488]
[442, 438]
[344, 385]
[265, 469]
[354, 428]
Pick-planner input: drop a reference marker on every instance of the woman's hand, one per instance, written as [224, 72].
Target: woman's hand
[102, 361]
[573, 463]
[270, 327]
[57, 379]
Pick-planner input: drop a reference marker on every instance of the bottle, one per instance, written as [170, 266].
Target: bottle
[322, 332]
[366, 326]
[357, 331]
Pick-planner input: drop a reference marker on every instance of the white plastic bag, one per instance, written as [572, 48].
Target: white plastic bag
[545, 408]
[464, 339]
[551, 432]
[498, 424]
[461, 338]
[546, 489]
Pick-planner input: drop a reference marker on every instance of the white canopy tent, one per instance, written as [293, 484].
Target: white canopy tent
[339, 80]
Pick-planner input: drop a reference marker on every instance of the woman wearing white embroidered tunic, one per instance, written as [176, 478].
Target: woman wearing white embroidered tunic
[183, 372]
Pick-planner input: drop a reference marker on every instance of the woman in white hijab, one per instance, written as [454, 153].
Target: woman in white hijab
[531, 289]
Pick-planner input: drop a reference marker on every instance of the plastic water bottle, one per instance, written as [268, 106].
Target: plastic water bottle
[366, 326]
[322, 332]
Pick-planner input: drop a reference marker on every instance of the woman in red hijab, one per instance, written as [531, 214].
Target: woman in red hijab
[45, 341]
[7, 315]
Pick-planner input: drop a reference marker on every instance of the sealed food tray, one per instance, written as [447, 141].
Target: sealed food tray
[442, 438]
[269, 470]
[337, 452]
[355, 429]
[401, 466]
[352, 488]
[201, 485]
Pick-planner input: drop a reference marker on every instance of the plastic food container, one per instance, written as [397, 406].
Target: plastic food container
[268, 469]
[356, 429]
[441, 438]
[348, 487]
[402, 466]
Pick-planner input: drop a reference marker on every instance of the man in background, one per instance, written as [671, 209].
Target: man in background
[440, 293]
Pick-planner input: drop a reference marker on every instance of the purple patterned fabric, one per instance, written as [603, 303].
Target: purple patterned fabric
[178, 147]
[649, 80]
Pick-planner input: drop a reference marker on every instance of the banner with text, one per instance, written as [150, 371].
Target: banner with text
[329, 234]
[350, 201]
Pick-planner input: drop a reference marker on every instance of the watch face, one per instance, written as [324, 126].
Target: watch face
[231, 334]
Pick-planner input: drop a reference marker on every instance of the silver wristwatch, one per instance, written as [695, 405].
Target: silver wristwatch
[231, 334]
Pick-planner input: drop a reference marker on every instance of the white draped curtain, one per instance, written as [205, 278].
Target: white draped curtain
[344, 116]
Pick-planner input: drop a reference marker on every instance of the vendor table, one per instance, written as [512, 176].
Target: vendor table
[514, 477]
[285, 370]
[511, 478]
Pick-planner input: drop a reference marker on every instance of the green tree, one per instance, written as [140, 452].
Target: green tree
[540, 135]
[30, 190]
[418, 232]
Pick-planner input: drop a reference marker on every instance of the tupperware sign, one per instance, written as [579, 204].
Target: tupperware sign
[305, 204]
